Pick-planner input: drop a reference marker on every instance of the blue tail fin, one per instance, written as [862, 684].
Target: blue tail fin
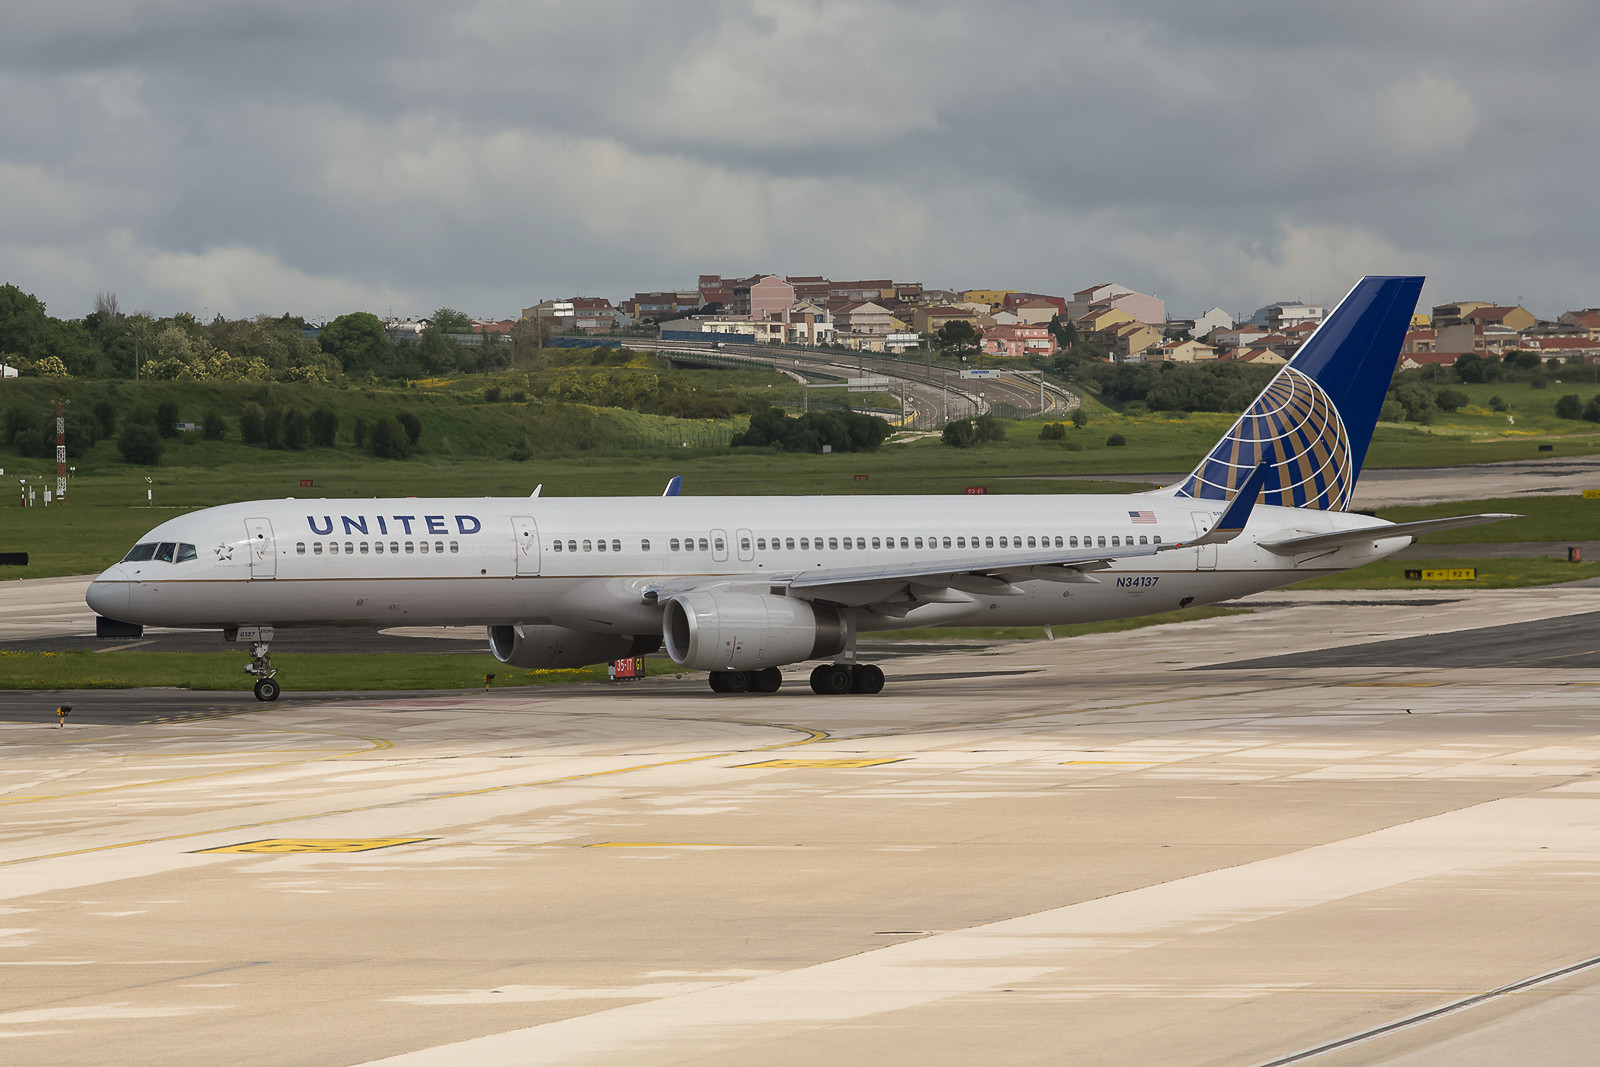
[1314, 420]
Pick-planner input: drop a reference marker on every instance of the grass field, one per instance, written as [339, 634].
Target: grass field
[1499, 573]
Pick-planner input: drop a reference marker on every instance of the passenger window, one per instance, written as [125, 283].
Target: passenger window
[422, 546]
[673, 544]
[761, 544]
[1143, 540]
[1058, 543]
[644, 545]
[185, 553]
[600, 545]
[788, 542]
[1072, 542]
[455, 546]
[616, 545]
[744, 544]
[333, 548]
[394, 548]
[988, 542]
[165, 551]
[721, 547]
[703, 546]
[1102, 542]
[557, 545]
[588, 546]
[300, 549]
[1002, 542]
[833, 543]
[805, 545]
[363, 548]
[349, 548]
[316, 548]
[904, 543]
[917, 542]
[438, 546]
[1114, 542]
[875, 543]
[377, 546]
[1031, 544]
[410, 547]
[1155, 539]
[961, 542]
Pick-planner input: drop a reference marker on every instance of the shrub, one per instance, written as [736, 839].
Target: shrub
[959, 434]
[491, 395]
[387, 439]
[1498, 403]
[1591, 411]
[1392, 411]
[166, 419]
[412, 426]
[1451, 399]
[1569, 407]
[105, 414]
[1052, 431]
[253, 425]
[324, 428]
[1116, 440]
[212, 427]
[359, 432]
[140, 443]
[1080, 418]
[296, 430]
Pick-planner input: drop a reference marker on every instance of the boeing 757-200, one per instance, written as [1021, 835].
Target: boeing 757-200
[742, 586]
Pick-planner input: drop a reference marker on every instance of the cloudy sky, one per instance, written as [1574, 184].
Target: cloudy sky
[324, 157]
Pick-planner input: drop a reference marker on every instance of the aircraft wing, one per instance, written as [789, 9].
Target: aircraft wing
[1316, 542]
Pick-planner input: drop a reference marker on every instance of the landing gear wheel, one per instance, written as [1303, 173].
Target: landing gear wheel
[831, 679]
[267, 690]
[729, 681]
[866, 678]
[766, 681]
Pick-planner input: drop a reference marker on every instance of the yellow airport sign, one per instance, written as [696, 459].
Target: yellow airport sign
[1452, 574]
[821, 763]
[279, 845]
[1591, 494]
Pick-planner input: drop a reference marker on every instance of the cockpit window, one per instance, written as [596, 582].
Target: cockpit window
[140, 553]
[185, 554]
[165, 551]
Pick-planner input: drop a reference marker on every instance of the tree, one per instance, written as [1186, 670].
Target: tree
[324, 428]
[1052, 431]
[296, 430]
[1569, 407]
[253, 425]
[105, 415]
[166, 419]
[387, 439]
[1591, 410]
[357, 341]
[1080, 417]
[1116, 440]
[23, 323]
[139, 443]
[412, 425]
[212, 428]
[1418, 401]
[1451, 399]
[359, 432]
[957, 338]
[527, 341]
[1062, 329]
[959, 434]
[452, 321]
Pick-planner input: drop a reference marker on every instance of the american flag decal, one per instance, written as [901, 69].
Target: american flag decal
[1142, 516]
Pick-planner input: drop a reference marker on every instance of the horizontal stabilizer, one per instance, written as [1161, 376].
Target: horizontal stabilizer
[1317, 542]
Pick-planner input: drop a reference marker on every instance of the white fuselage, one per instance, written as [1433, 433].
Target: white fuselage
[590, 564]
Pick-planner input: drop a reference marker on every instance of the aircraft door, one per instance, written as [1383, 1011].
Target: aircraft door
[263, 556]
[719, 546]
[527, 545]
[1207, 559]
[747, 545]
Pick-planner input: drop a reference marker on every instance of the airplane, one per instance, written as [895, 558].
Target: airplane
[743, 586]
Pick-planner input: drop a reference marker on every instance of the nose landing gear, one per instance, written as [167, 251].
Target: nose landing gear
[267, 688]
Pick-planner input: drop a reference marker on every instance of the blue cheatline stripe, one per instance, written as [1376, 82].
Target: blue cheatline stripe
[1319, 411]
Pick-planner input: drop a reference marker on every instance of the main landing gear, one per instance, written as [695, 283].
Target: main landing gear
[830, 679]
[267, 689]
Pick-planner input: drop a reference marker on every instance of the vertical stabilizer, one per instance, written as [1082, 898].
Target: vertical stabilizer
[1313, 422]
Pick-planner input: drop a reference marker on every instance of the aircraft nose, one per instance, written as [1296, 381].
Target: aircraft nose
[108, 594]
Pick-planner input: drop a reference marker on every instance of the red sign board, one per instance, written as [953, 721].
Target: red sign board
[861, 477]
[305, 483]
[632, 667]
[976, 490]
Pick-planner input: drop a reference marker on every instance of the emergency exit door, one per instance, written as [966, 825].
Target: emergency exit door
[527, 545]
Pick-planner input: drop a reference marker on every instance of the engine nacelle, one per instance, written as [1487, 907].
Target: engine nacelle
[709, 630]
[546, 647]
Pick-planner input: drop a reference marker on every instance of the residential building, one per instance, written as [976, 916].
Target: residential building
[1241, 336]
[1281, 314]
[1215, 319]
[930, 320]
[1455, 314]
[990, 298]
[1101, 319]
[715, 289]
[874, 290]
[1142, 306]
[1554, 348]
[907, 293]
[812, 288]
[1178, 352]
[1038, 310]
[1261, 357]
[758, 298]
[586, 314]
[661, 305]
[804, 323]
[1127, 339]
[1021, 339]
[1513, 318]
[1587, 320]
[867, 319]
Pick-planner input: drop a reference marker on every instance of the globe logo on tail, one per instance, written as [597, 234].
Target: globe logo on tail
[1294, 426]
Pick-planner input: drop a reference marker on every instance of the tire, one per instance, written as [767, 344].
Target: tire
[831, 679]
[267, 690]
[766, 681]
[718, 681]
[866, 678]
[735, 681]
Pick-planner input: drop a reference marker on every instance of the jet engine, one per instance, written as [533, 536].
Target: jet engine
[710, 630]
[546, 647]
